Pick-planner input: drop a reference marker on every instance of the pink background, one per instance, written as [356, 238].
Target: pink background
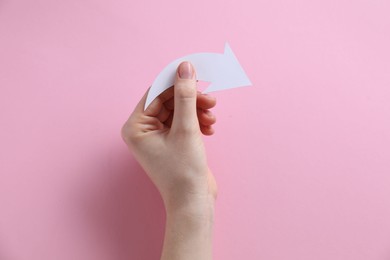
[302, 158]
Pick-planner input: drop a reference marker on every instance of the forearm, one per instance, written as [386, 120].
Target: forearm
[188, 232]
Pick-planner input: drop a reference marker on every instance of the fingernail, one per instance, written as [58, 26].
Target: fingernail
[185, 70]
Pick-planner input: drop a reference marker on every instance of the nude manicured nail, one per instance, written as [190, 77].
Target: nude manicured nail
[185, 70]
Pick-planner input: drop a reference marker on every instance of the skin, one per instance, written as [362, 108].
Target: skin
[166, 139]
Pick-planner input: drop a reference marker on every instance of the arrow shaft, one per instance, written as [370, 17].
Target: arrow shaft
[207, 64]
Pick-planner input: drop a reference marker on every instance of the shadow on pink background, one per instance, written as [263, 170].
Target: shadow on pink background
[301, 157]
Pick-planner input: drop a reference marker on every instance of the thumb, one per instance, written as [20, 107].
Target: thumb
[185, 116]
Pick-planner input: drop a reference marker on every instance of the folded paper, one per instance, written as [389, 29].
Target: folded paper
[223, 71]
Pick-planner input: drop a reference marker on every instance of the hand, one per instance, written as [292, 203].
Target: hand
[166, 140]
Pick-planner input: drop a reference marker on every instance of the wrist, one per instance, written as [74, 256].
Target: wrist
[191, 195]
[195, 209]
[192, 217]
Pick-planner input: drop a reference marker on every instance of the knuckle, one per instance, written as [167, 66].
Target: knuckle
[125, 132]
[128, 133]
[185, 90]
[187, 130]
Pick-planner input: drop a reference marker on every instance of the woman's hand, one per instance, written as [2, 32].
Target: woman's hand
[166, 139]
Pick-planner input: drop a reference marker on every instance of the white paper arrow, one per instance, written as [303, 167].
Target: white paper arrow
[222, 70]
